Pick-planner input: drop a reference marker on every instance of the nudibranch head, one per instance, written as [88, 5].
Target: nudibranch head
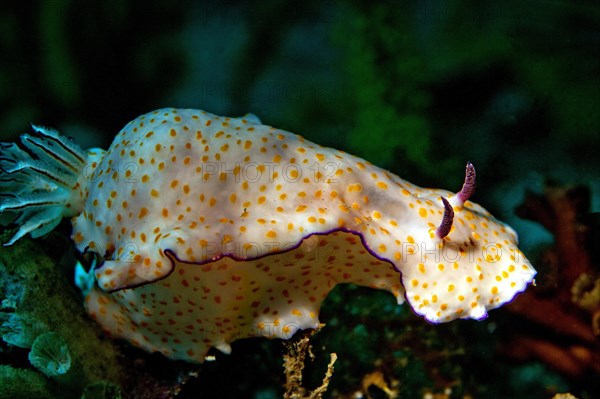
[471, 263]
[210, 229]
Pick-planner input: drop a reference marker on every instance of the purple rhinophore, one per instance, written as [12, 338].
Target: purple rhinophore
[468, 187]
[444, 227]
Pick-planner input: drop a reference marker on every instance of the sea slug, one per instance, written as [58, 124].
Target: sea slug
[208, 229]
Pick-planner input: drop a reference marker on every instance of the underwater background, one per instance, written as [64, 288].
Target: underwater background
[416, 87]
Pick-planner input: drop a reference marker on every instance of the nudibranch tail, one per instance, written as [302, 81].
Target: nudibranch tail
[38, 178]
[468, 188]
[444, 228]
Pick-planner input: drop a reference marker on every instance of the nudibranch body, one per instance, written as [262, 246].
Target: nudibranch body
[210, 229]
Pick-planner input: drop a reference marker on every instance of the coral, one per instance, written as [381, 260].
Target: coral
[374, 338]
[23, 384]
[39, 302]
[376, 378]
[102, 390]
[586, 294]
[19, 329]
[293, 363]
[562, 311]
[50, 354]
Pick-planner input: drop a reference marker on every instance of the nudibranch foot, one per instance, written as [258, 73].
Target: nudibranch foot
[270, 296]
[209, 229]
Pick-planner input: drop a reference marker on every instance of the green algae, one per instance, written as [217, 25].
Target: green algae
[388, 82]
